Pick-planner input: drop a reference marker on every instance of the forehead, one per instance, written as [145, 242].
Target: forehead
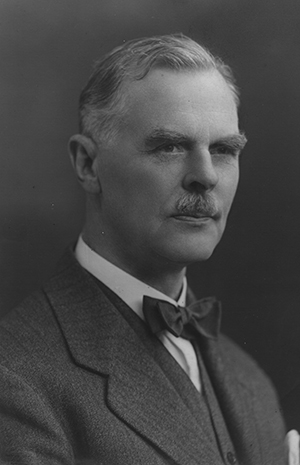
[189, 101]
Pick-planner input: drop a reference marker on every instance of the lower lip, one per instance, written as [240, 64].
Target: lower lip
[193, 219]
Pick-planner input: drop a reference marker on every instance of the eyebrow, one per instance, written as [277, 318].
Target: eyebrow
[165, 135]
[236, 141]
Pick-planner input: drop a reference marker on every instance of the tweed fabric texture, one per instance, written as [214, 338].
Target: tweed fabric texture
[79, 386]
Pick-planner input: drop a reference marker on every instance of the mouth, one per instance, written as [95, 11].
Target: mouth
[194, 217]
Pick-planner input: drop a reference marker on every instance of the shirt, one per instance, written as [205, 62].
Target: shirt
[131, 290]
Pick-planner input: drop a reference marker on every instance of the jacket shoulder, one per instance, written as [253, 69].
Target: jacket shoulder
[28, 331]
[246, 369]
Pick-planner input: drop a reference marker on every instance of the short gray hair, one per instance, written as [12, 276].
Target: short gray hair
[102, 102]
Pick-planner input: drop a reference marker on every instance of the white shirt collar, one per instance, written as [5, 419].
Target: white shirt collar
[131, 290]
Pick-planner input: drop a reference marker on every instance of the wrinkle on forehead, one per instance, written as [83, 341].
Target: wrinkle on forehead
[160, 83]
[191, 102]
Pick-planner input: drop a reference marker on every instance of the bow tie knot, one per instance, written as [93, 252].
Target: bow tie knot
[201, 317]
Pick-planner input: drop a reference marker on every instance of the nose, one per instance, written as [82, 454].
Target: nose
[201, 173]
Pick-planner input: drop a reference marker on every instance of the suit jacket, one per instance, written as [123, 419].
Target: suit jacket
[79, 384]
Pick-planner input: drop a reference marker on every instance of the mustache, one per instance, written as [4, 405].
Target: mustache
[194, 204]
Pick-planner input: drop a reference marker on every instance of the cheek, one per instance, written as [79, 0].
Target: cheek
[230, 183]
[144, 182]
[135, 193]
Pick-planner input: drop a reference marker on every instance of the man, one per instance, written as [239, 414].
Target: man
[112, 362]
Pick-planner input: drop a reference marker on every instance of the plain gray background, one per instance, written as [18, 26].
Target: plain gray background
[46, 52]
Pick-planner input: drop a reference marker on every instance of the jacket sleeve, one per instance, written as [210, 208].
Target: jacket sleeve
[29, 433]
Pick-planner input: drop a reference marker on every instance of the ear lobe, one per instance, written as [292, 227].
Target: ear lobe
[83, 152]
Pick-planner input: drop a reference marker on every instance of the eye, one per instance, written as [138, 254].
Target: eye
[226, 150]
[169, 148]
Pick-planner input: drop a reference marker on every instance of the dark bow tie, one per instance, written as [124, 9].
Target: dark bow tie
[202, 317]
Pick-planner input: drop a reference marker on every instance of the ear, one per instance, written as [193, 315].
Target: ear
[83, 153]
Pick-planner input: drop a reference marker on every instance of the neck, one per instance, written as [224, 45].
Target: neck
[169, 284]
[167, 279]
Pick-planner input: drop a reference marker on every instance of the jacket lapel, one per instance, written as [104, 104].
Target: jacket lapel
[139, 393]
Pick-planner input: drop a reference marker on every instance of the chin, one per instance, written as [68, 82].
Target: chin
[200, 255]
[188, 252]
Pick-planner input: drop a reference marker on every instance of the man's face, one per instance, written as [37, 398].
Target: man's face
[169, 178]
